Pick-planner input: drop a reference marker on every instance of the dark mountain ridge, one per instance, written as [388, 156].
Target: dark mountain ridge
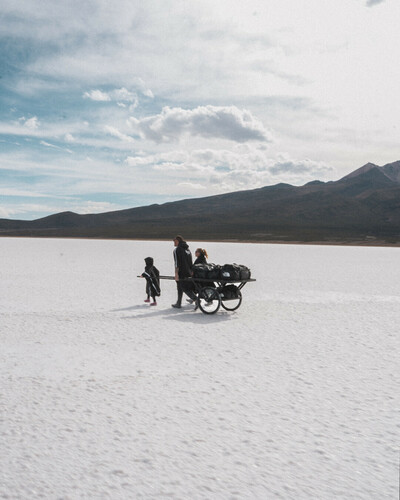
[362, 206]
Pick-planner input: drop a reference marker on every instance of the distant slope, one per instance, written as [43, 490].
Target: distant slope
[362, 206]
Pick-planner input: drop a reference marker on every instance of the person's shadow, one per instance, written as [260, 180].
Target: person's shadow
[132, 308]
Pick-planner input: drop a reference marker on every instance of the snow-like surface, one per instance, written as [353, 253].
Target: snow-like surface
[294, 396]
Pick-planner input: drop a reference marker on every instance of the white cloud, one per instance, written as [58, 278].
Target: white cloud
[192, 186]
[60, 129]
[30, 123]
[300, 167]
[148, 93]
[93, 207]
[8, 191]
[5, 213]
[121, 96]
[243, 167]
[54, 146]
[239, 158]
[212, 122]
[97, 95]
[69, 137]
[116, 133]
[20, 210]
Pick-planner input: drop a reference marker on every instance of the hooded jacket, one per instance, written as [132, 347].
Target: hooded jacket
[152, 275]
[200, 260]
[183, 260]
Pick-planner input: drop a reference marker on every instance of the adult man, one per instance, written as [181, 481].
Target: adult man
[183, 269]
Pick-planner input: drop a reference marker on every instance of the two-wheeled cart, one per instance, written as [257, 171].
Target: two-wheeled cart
[214, 293]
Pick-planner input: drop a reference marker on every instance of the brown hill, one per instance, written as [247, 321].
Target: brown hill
[362, 206]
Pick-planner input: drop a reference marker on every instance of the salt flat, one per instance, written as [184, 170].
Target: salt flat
[293, 396]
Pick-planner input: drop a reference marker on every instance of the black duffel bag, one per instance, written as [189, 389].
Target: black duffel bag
[229, 292]
[230, 272]
[206, 271]
[245, 273]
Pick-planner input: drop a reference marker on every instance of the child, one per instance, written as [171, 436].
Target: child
[151, 274]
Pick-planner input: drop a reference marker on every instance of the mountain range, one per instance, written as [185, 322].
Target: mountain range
[362, 207]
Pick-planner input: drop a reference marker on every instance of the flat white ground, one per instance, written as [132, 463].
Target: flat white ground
[293, 396]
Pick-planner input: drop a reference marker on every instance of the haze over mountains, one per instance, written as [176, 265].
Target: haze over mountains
[363, 206]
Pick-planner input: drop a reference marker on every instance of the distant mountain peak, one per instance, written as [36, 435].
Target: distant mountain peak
[390, 171]
[362, 170]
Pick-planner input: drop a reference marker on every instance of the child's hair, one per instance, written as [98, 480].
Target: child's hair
[203, 251]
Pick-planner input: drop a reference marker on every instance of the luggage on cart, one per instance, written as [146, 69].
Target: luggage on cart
[206, 271]
[245, 273]
[229, 292]
[230, 272]
[235, 272]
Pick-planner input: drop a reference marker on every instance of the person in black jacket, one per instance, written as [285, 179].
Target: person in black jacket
[152, 276]
[183, 269]
[201, 256]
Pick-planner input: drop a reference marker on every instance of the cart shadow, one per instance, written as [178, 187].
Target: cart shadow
[199, 318]
[186, 314]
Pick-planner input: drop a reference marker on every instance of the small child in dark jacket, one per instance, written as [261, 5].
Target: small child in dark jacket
[152, 276]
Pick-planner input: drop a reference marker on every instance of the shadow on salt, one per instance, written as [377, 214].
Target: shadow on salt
[185, 315]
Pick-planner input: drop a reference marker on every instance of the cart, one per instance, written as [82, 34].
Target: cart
[214, 293]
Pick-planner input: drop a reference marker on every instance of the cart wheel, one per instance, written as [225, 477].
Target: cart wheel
[231, 304]
[209, 300]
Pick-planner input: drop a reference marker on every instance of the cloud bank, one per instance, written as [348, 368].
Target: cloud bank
[217, 122]
[219, 170]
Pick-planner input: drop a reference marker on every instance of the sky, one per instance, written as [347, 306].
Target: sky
[109, 105]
